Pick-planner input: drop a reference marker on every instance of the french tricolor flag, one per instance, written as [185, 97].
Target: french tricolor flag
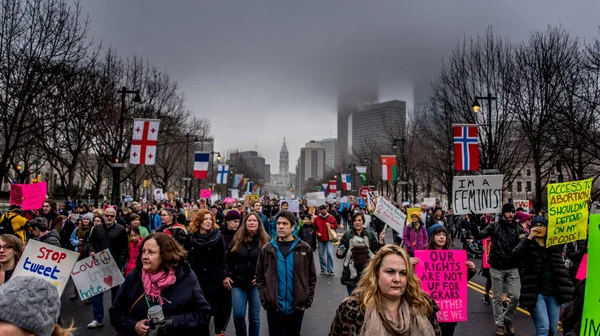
[201, 164]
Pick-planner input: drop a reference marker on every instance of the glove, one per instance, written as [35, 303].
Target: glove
[160, 328]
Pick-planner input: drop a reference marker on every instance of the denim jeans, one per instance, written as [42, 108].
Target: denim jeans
[240, 299]
[98, 303]
[513, 286]
[545, 317]
[326, 247]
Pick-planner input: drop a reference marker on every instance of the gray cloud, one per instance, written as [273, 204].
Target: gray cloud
[265, 69]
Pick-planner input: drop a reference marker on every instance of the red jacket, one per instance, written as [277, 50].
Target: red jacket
[134, 252]
[320, 224]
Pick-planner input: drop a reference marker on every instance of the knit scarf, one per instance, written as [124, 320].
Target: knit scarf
[154, 283]
[410, 323]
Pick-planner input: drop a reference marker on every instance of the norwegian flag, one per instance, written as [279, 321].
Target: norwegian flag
[466, 147]
[144, 141]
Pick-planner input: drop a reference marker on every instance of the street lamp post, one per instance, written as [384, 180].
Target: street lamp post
[352, 169]
[398, 144]
[476, 107]
[214, 168]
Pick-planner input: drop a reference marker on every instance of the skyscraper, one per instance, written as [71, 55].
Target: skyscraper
[330, 152]
[284, 160]
[311, 163]
[376, 125]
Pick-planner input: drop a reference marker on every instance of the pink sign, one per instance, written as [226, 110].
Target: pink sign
[205, 193]
[443, 275]
[582, 271]
[487, 245]
[28, 196]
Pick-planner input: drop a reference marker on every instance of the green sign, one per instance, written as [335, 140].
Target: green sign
[590, 323]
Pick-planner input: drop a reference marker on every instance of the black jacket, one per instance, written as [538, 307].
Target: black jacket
[206, 253]
[308, 234]
[241, 264]
[52, 238]
[505, 237]
[227, 236]
[574, 251]
[184, 303]
[530, 254]
[113, 238]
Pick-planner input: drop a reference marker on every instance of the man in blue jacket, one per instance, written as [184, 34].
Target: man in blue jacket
[284, 267]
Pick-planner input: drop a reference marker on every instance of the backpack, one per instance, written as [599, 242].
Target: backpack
[6, 225]
[360, 254]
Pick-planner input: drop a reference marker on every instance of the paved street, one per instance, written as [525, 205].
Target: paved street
[329, 293]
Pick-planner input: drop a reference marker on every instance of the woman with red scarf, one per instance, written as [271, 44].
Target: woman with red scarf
[163, 278]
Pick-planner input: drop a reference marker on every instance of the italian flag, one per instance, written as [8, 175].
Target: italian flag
[389, 171]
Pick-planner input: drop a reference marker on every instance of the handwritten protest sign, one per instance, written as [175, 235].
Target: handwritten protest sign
[412, 211]
[94, 275]
[568, 211]
[205, 193]
[46, 262]
[390, 215]
[235, 193]
[487, 245]
[590, 322]
[522, 204]
[582, 270]
[28, 196]
[250, 199]
[477, 194]
[294, 206]
[443, 275]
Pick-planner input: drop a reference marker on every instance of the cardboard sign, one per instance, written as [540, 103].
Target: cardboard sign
[205, 193]
[390, 215]
[430, 202]
[522, 204]
[28, 196]
[568, 211]
[311, 210]
[582, 270]
[477, 194]
[191, 213]
[315, 199]
[443, 275]
[95, 275]
[294, 206]
[590, 321]
[487, 246]
[250, 199]
[46, 262]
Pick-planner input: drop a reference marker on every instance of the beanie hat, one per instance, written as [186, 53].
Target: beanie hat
[89, 216]
[539, 219]
[15, 208]
[522, 217]
[508, 207]
[30, 303]
[232, 215]
[435, 229]
[415, 214]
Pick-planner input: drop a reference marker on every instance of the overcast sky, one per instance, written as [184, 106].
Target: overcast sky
[261, 70]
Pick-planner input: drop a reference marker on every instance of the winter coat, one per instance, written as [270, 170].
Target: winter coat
[241, 264]
[65, 234]
[227, 236]
[345, 242]
[574, 251]
[184, 304]
[154, 222]
[505, 237]
[206, 253]
[17, 222]
[134, 252]
[113, 238]
[175, 230]
[309, 235]
[529, 252]
[51, 238]
[268, 271]
[415, 240]
[320, 224]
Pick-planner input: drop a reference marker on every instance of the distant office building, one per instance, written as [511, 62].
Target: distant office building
[311, 163]
[377, 125]
[251, 160]
[330, 152]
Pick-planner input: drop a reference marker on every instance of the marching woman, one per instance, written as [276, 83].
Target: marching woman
[242, 257]
[171, 227]
[11, 249]
[440, 240]
[545, 281]
[162, 281]
[206, 255]
[415, 235]
[388, 300]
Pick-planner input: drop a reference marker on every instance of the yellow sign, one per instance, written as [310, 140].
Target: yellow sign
[568, 211]
[250, 199]
[410, 212]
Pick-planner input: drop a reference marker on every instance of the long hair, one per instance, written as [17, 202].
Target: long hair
[367, 290]
[171, 253]
[432, 246]
[243, 236]
[15, 243]
[574, 309]
[199, 218]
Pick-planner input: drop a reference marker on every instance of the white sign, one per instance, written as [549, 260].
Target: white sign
[315, 198]
[331, 198]
[95, 275]
[159, 195]
[521, 204]
[294, 206]
[46, 262]
[390, 215]
[477, 194]
[235, 194]
[430, 201]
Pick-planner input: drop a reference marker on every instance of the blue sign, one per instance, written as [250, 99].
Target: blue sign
[361, 203]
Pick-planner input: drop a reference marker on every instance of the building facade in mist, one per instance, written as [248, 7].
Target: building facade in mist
[252, 161]
[281, 182]
[311, 164]
[376, 125]
[330, 152]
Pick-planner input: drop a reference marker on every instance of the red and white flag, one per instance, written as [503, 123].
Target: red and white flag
[144, 141]
[332, 186]
[466, 147]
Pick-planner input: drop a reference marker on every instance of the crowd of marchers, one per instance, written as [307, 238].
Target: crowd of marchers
[201, 262]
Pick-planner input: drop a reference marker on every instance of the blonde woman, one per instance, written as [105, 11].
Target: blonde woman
[388, 300]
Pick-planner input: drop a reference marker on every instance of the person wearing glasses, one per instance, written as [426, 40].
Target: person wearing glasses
[113, 237]
[170, 226]
[11, 249]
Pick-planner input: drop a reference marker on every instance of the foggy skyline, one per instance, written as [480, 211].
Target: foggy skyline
[263, 70]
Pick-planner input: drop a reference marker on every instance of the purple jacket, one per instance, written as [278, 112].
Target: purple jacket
[414, 240]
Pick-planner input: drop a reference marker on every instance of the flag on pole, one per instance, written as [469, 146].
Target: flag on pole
[237, 180]
[346, 182]
[466, 147]
[250, 187]
[243, 183]
[222, 172]
[362, 170]
[332, 186]
[256, 189]
[389, 171]
[201, 164]
[324, 185]
[143, 141]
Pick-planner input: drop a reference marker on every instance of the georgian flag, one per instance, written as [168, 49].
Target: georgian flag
[143, 141]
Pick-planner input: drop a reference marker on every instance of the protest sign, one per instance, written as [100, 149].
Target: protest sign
[390, 215]
[95, 275]
[410, 212]
[344, 199]
[293, 205]
[443, 276]
[485, 259]
[311, 210]
[590, 322]
[250, 199]
[582, 270]
[430, 201]
[159, 195]
[568, 211]
[522, 204]
[235, 194]
[46, 262]
[28, 196]
[477, 194]
[315, 198]
[331, 198]
[191, 213]
[205, 193]
[214, 198]
[361, 203]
